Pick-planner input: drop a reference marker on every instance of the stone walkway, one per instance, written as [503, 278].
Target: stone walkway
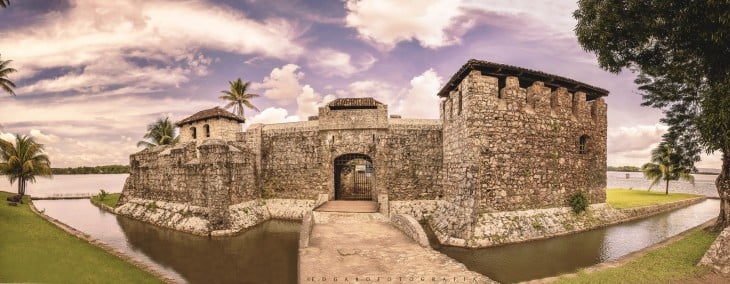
[365, 247]
[349, 206]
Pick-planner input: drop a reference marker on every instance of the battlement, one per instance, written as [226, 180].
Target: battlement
[511, 93]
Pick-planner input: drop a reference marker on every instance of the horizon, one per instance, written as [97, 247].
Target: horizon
[91, 76]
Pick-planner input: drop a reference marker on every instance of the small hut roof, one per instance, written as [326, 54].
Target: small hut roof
[215, 112]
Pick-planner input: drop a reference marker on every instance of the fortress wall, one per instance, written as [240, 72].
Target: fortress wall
[291, 165]
[413, 161]
[528, 143]
[459, 180]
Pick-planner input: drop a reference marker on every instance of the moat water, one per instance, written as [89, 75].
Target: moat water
[268, 253]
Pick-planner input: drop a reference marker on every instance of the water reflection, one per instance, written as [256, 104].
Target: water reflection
[264, 254]
[543, 258]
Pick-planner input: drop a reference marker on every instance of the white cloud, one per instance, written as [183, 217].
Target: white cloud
[282, 85]
[43, 138]
[92, 34]
[331, 62]
[384, 92]
[421, 100]
[433, 23]
[632, 145]
[528, 18]
[271, 115]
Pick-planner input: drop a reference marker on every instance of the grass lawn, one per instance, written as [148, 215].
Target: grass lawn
[626, 198]
[33, 250]
[672, 263]
[110, 200]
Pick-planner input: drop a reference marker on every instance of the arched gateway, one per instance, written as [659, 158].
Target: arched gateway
[354, 177]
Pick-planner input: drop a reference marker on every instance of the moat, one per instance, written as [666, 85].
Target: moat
[255, 256]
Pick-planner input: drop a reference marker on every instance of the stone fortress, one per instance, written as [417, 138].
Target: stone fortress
[509, 142]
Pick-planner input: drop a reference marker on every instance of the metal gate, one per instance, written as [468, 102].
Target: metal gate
[354, 176]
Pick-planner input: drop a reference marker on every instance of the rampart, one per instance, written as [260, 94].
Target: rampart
[508, 139]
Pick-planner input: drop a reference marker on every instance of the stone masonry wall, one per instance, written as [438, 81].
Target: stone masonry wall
[219, 129]
[517, 148]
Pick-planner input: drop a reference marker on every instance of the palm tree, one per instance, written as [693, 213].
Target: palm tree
[238, 97]
[161, 132]
[23, 161]
[5, 83]
[666, 165]
[4, 3]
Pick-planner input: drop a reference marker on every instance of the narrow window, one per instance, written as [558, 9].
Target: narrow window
[207, 130]
[194, 132]
[443, 110]
[583, 144]
[460, 102]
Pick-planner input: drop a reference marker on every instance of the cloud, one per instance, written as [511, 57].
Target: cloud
[330, 62]
[632, 145]
[527, 18]
[271, 115]
[42, 137]
[421, 100]
[157, 41]
[282, 85]
[382, 91]
[433, 23]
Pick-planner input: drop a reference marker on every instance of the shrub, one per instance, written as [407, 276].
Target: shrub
[102, 194]
[579, 202]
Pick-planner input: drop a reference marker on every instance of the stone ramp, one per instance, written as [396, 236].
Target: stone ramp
[349, 206]
[352, 247]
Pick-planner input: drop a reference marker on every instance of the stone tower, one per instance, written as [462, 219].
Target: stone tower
[214, 123]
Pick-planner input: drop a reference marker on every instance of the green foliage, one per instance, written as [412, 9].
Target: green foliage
[109, 169]
[110, 200]
[623, 169]
[24, 161]
[160, 132]
[5, 83]
[667, 165]
[237, 97]
[35, 251]
[152, 206]
[674, 263]
[102, 194]
[579, 202]
[625, 198]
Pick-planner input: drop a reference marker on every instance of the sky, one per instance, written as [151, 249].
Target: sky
[92, 74]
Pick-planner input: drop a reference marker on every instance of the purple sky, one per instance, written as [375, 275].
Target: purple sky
[93, 74]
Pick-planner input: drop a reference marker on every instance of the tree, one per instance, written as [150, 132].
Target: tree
[4, 3]
[238, 97]
[681, 50]
[667, 165]
[161, 132]
[5, 83]
[24, 161]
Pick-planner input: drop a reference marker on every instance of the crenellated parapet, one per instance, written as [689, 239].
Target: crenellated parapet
[516, 139]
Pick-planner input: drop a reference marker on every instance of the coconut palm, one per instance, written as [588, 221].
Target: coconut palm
[161, 132]
[666, 165]
[5, 83]
[238, 97]
[24, 161]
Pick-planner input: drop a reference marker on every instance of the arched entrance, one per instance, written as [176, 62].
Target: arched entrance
[354, 177]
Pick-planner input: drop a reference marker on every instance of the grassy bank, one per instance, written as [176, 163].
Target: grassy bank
[110, 200]
[675, 262]
[626, 198]
[33, 250]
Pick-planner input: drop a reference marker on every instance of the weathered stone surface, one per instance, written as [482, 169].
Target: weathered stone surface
[181, 217]
[718, 256]
[502, 143]
[496, 228]
[409, 226]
